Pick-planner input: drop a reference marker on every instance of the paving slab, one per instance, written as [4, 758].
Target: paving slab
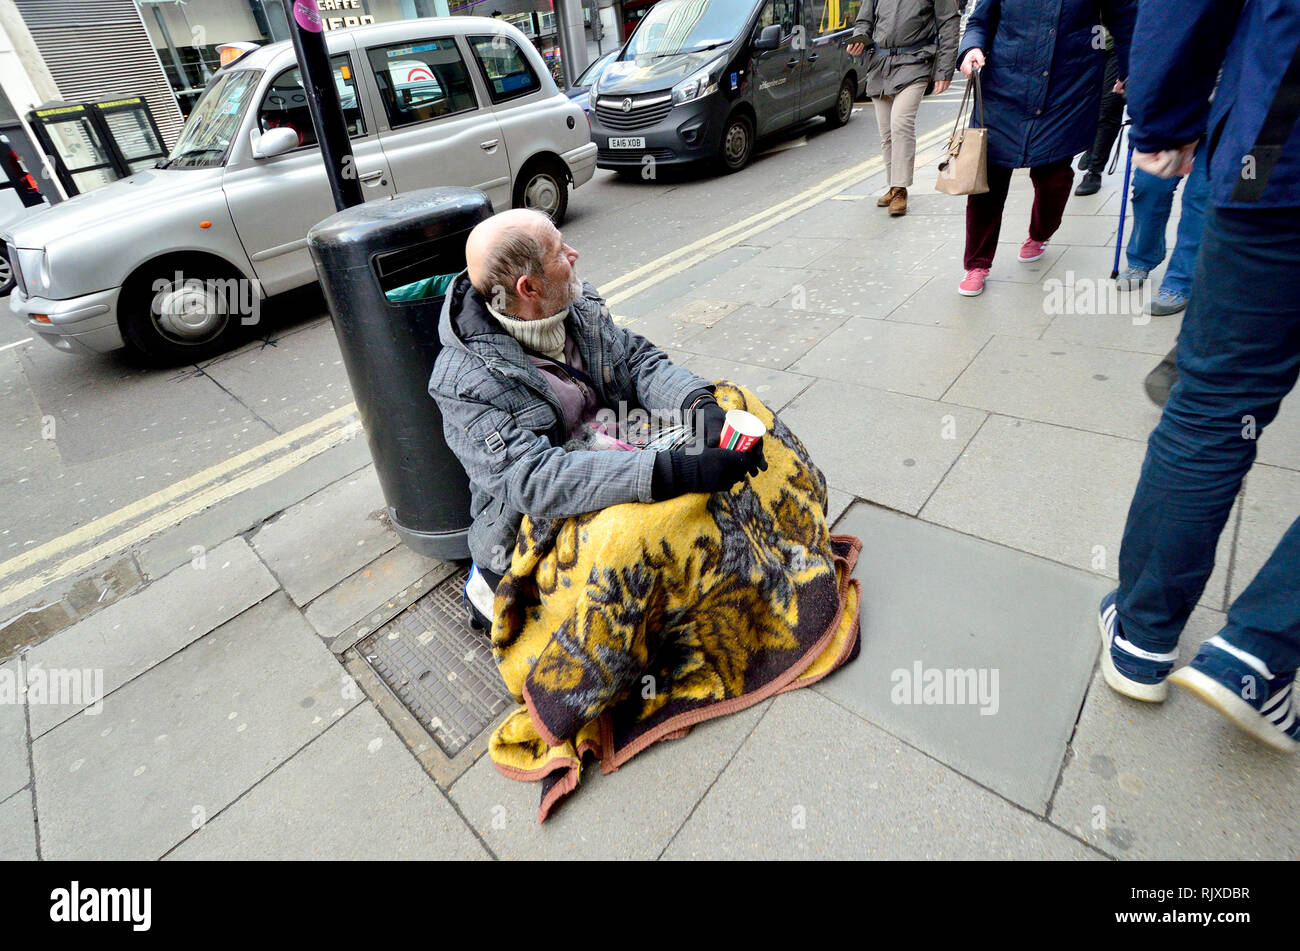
[1176, 780]
[851, 223]
[129, 637]
[251, 508]
[308, 561]
[995, 625]
[17, 828]
[1005, 308]
[891, 355]
[387, 577]
[750, 283]
[678, 285]
[837, 504]
[256, 377]
[354, 793]
[1137, 333]
[1279, 444]
[1082, 387]
[1270, 503]
[801, 252]
[1082, 230]
[887, 448]
[764, 336]
[14, 772]
[1083, 262]
[630, 814]
[860, 293]
[816, 782]
[774, 387]
[1059, 493]
[185, 740]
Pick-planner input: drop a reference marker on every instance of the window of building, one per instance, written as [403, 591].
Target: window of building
[285, 104]
[422, 80]
[829, 16]
[505, 67]
[778, 12]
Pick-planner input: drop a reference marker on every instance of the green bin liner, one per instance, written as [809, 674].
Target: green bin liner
[424, 288]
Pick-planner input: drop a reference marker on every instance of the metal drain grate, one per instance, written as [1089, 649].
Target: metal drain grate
[438, 667]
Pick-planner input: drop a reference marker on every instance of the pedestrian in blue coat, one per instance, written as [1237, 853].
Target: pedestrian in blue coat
[1238, 357]
[1041, 64]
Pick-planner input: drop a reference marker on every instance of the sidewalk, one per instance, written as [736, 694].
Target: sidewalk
[985, 451]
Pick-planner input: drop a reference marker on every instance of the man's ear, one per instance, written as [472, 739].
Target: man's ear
[527, 287]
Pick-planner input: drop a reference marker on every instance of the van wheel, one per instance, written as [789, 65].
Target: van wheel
[737, 146]
[840, 113]
[544, 186]
[174, 314]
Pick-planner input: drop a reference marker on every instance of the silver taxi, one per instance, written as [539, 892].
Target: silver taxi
[170, 261]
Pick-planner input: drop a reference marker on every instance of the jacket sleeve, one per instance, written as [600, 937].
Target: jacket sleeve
[1178, 49]
[1118, 16]
[948, 19]
[865, 25]
[515, 464]
[981, 26]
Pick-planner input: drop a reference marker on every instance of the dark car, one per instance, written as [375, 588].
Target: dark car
[704, 79]
[580, 91]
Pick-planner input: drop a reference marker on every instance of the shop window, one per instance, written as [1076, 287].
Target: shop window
[505, 67]
[285, 103]
[830, 16]
[421, 81]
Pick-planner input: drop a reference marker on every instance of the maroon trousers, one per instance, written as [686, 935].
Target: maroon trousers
[1052, 184]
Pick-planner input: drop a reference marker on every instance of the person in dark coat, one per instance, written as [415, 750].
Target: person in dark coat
[1238, 358]
[1041, 64]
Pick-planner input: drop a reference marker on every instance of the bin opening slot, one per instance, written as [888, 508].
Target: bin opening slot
[423, 270]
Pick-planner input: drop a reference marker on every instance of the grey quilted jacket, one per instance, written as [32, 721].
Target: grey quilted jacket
[899, 25]
[506, 427]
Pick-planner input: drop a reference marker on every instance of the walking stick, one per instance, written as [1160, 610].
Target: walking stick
[1123, 198]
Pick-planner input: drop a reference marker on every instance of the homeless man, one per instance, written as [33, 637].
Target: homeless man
[532, 363]
[635, 583]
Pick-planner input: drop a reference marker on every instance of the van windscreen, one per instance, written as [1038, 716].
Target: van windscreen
[687, 26]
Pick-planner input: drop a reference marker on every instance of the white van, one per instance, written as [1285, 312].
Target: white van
[435, 101]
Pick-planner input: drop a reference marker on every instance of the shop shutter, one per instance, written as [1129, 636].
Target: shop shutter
[99, 49]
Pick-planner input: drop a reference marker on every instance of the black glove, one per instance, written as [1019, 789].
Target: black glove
[709, 420]
[680, 472]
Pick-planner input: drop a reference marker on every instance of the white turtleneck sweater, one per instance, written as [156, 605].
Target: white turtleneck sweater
[546, 336]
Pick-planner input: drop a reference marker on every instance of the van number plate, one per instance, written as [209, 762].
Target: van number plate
[627, 142]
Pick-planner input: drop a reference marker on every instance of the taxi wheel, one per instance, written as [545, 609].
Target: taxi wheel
[840, 113]
[737, 145]
[176, 314]
[544, 186]
[6, 275]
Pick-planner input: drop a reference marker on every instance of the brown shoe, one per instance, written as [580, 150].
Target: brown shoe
[898, 204]
[886, 198]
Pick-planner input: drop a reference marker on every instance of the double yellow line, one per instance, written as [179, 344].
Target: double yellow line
[253, 467]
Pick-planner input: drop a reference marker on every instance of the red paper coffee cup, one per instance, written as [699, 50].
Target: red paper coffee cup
[741, 430]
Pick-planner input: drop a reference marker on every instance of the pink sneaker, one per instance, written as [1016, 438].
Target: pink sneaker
[973, 284]
[1032, 250]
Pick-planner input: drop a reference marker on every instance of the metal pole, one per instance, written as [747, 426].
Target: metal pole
[308, 34]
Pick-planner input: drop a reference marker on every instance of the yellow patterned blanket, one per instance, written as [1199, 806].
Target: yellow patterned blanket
[629, 625]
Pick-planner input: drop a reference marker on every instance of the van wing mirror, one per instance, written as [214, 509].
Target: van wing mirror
[274, 142]
[769, 38]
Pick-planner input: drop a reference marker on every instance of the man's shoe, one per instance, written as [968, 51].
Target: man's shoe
[884, 200]
[1032, 250]
[972, 284]
[1243, 689]
[1166, 303]
[898, 204]
[1129, 669]
[1161, 380]
[1131, 278]
[1090, 185]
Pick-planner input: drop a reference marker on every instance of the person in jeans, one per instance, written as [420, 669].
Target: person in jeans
[1109, 121]
[530, 362]
[1153, 199]
[913, 43]
[1238, 357]
[1041, 73]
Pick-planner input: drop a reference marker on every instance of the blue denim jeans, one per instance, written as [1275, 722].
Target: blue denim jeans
[1153, 199]
[1238, 357]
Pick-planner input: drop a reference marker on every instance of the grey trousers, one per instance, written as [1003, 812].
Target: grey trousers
[896, 118]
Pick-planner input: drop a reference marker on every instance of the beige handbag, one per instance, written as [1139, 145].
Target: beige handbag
[965, 169]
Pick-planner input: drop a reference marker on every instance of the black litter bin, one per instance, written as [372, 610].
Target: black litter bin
[384, 267]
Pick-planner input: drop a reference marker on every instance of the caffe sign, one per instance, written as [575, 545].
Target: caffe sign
[328, 7]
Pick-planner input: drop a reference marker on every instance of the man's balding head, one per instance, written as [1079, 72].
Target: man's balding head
[505, 248]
